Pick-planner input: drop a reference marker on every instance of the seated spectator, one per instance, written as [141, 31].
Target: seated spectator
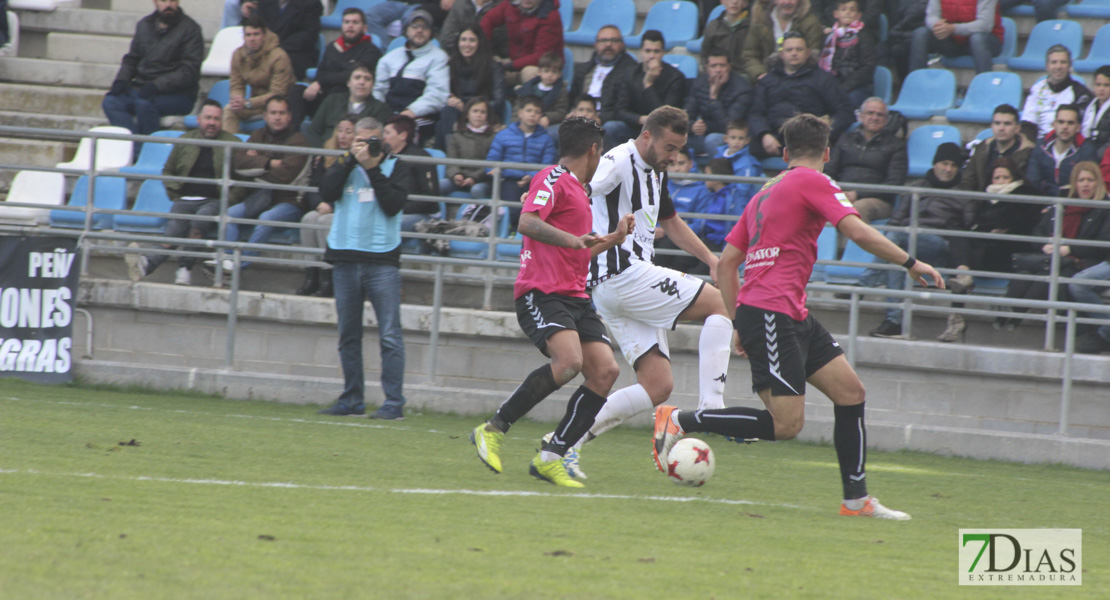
[201, 199]
[388, 19]
[399, 135]
[651, 84]
[959, 28]
[358, 101]
[160, 73]
[688, 196]
[235, 13]
[598, 76]
[849, 52]
[414, 80]
[735, 150]
[471, 140]
[267, 166]
[935, 212]
[1096, 341]
[262, 65]
[1006, 141]
[1080, 223]
[768, 32]
[297, 25]
[1051, 162]
[473, 73]
[523, 141]
[317, 280]
[1055, 89]
[534, 28]
[906, 17]
[870, 10]
[794, 86]
[549, 87]
[724, 199]
[465, 14]
[870, 154]
[1096, 120]
[352, 47]
[586, 106]
[718, 98]
[725, 35]
[1043, 10]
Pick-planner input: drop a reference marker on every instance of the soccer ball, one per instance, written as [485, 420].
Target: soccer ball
[690, 462]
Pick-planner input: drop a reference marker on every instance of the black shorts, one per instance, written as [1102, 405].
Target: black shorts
[543, 315]
[783, 352]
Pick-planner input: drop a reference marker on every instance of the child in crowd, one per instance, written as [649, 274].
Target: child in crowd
[472, 139]
[849, 52]
[524, 142]
[688, 196]
[735, 149]
[549, 87]
[725, 199]
[586, 106]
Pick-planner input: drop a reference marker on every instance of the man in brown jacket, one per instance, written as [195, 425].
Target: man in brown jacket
[260, 64]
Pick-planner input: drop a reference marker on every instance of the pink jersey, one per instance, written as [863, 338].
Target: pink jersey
[560, 200]
[779, 231]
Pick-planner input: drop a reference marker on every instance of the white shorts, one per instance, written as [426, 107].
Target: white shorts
[642, 303]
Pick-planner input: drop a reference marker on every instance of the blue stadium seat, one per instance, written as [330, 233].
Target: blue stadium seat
[335, 19]
[884, 27]
[1022, 10]
[694, 46]
[152, 198]
[310, 74]
[926, 93]
[984, 134]
[826, 250]
[508, 252]
[883, 83]
[1099, 9]
[1099, 54]
[683, 62]
[441, 169]
[109, 193]
[922, 145]
[600, 13]
[566, 15]
[220, 92]
[568, 67]
[1009, 47]
[677, 20]
[987, 91]
[1044, 35]
[153, 155]
[848, 274]
[773, 163]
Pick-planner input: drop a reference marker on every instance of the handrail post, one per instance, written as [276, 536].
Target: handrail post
[911, 248]
[1069, 356]
[1054, 276]
[221, 224]
[232, 308]
[433, 338]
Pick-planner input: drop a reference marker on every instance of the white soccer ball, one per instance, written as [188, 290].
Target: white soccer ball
[690, 462]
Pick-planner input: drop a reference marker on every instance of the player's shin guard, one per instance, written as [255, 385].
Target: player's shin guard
[622, 404]
[538, 385]
[713, 355]
[850, 439]
[736, 422]
[583, 407]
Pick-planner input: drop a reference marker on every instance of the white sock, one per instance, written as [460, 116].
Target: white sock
[855, 503]
[546, 456]
[713, 356]
[622, 404]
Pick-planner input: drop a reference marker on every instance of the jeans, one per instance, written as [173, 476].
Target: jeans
[931, 248]
[1043, 9]
[179, 228]
[257, 207]
[981, 46]
[232, 15]
[381, 284]
[617, 133]
[379, 16]
[706, 144]
[143, 116]
[1089, 294]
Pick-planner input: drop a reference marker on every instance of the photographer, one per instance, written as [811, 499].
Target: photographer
[367, 188]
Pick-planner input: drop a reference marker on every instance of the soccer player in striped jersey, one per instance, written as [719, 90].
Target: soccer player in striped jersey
[552, 305]
[776, 239]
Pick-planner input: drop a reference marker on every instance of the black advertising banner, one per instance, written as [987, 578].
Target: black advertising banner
[38, 293]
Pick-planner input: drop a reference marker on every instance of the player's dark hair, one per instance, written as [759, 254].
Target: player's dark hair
[653, 35]
[550, 60]
[403, 124]
[578, 134]
[255, 22]
[530, 99]
[667, 117]
[737, 124]
[806, 135]
[461, 124]
[719, 166]
[1006, 109]
[1104, 70]
[1072, 107]
[717, 53]
[361, 66]
[1057, 49]
[584, 97]
[1005, 162]
[840, 3]
[277, 98]
[211, 102]
[355, 11]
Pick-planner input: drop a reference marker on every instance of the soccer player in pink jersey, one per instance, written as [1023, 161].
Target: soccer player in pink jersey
[552, 305]
[776, 239]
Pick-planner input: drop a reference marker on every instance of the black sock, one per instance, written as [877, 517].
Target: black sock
[736, 421]
[581, 410]
[850, 439]
[538, 385]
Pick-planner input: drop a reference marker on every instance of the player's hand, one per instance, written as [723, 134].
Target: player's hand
[588, 240]
[736, 345]
[712, 267]
[771, 145]
[698, 127]
[624, 227]
[922, 269]
[362, 154]
[312, 91]
[323, 208]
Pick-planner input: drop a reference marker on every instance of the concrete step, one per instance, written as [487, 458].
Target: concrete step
[212, 9]
[56, 100]
[91, 21]
[59, 72]
[84, 47]
[50, 121]
[30, 153]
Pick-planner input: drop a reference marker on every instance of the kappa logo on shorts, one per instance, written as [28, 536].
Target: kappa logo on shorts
[668, 287]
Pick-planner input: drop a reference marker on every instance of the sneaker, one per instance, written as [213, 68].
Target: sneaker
[1092, 343]
[388, 413]
[570, 460]
[183, 276]
[137, 264]
[552, 471]
[339, 410]
[488, 446]
[872, 508]
[887, 329]
[666, 434]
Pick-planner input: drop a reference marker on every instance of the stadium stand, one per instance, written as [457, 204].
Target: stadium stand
[600, 13]
[33, 187]
[922, 145]
[678, 21]
[694, 46]
[218, 61]
[1045, 35]
[1098, 53]
[109, 193]
[926, 93]
[1009, 46]
[987, 91]
[152, 198]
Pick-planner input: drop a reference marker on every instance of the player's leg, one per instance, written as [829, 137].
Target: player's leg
[713, 346]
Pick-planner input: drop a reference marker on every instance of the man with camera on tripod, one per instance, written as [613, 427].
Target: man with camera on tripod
[367, 187]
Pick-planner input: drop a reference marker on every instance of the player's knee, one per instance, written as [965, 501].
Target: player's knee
[565, 370]
[606, 375]
[855, 394]
[658, 390]
[788, 428]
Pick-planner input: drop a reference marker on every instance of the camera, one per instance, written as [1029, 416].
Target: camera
[373, 145]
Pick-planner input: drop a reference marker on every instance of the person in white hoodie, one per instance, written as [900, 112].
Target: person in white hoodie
[1054, 90]
[414, 80]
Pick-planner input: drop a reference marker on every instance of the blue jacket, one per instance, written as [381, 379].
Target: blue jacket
[729, 200]
[687, 195]
[368, 205]
[743, 165]
[510, 145]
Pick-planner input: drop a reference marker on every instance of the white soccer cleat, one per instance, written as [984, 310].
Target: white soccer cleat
[872, 508]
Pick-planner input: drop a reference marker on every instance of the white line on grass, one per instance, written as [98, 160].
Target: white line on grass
[434, 492]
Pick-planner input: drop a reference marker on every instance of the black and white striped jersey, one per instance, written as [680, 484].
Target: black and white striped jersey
[624, 184]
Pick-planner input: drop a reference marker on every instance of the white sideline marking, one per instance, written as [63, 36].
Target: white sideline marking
[357, 488]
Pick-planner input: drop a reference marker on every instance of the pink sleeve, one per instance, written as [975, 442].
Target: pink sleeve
[739, 235]
[541, 196]
[826, 198]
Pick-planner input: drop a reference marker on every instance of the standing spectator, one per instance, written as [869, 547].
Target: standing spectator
[549, 87]
[534, 27]
[598, 76]
[1052, 160]
[160, 73]
[473, 73]
[849, 52]
[1006, 141]
[726, 34]
[523, 141]
[297, 25]
[414, 80]
[1096, 120]
[653, 83]
[472, 138]
[959, 28]
[719, 97]
[870, 154]
[201, 199]
[767, 35]
[262, 65]
[364, 249]
[358, 101]
[463, 14]
[352, 47]
[1098, 340]
[1043, 10]
[1055, 89]
[317, 280]
[794, 86]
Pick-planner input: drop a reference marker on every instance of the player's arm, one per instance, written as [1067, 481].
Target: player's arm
[534, 227]
[728, 270]
[684, 237]
[876, 243]
[616, 237]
